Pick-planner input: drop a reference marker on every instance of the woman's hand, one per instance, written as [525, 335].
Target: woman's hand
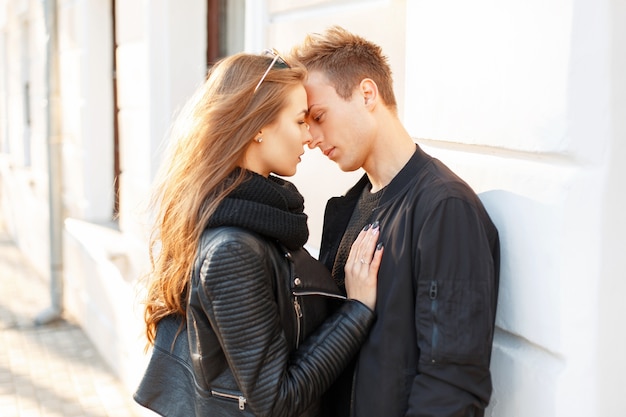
[362, 266]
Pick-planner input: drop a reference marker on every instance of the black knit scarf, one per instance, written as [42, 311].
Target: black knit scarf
[270, 206]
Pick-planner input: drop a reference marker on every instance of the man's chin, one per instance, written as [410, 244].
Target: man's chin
[346, 168]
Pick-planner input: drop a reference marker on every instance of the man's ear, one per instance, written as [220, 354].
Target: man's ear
[369, 91]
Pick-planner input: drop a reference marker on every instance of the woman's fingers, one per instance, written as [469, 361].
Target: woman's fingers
[362, 266]
[368, 245]
[363, 247]
[377, 257]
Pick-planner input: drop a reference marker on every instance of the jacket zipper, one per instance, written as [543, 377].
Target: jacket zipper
[432, 293]
[240, 398]
[322, 293]
[298, 310]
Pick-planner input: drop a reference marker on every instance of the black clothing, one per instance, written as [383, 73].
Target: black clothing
[428, 353]
[367, 202]
[260, 337]
[271, 207]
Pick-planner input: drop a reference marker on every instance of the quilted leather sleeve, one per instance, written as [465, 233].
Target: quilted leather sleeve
[232, 299]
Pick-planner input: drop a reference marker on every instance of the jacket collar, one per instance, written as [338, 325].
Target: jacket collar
[339, 209]
[411, 169]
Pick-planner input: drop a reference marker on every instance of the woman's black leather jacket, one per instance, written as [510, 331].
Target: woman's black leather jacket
[266, 333]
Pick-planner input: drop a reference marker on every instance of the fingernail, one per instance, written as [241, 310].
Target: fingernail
[375, 225]
[367, 227]
[379, 246]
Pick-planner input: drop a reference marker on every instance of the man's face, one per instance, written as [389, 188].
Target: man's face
[339, 127]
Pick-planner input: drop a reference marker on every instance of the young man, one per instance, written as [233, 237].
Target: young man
[428, 353]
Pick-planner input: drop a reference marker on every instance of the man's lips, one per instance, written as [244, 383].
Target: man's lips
[328, 151]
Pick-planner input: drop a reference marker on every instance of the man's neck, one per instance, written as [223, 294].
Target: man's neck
[390, 153]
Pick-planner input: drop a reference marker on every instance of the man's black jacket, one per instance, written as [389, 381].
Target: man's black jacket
[428, 353]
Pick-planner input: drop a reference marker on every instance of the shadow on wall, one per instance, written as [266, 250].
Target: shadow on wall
[526, 363]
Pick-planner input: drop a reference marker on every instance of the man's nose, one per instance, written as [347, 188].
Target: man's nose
[307, 136]
[316, 137]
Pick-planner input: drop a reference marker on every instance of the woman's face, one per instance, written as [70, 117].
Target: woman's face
[283, 141]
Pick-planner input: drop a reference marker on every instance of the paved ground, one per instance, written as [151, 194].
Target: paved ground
[50, 370]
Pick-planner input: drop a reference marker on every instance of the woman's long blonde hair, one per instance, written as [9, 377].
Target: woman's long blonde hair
[207, 142]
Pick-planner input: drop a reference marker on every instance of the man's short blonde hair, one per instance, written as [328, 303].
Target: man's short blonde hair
[346, 59]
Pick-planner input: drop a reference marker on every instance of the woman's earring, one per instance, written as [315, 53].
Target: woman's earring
[259, 139]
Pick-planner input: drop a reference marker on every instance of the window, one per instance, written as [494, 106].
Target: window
[225, 28]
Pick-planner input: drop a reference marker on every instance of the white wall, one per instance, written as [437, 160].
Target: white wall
[610, 337]
[86, 67]
[161, 60]
[516, 97]
[23, 163]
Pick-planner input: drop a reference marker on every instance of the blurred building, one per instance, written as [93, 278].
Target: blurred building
[526, 100]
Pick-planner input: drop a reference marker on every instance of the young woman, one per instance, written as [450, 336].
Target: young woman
[243, 320]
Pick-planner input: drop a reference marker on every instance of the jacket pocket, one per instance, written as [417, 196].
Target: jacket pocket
[455, 321]
[230, 396]
[313, 295]
[311, 308]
